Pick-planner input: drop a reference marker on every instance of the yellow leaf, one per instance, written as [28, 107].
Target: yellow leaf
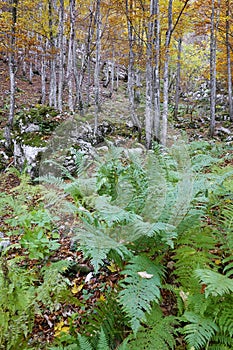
[102, 298]
[112, 267]
[59, 328]
[217, 262]
[65, 329]
[59, 325]
[76, 288]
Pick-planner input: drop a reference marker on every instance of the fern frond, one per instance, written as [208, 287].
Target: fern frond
[221, 342]
[112, 214]
[228, 266]
[140, 287]
[54, 285]
[84, 343]
[102, 343]
[108, 316]
[157, 334]
[55, 181]
[96, 243]
[199, 331]
[225, 317]
[216, 283]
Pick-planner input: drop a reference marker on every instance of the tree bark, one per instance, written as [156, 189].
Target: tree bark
[61, 56]
[149, 77]
[157, 113]
[178, 68]
[97, 63]
[166, 76]
[212, 70]
[70, 64]
[229, 75]
[53, 79]
[131, 72]
[12, 73]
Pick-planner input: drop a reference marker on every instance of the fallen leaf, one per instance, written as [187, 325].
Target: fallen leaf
[112, 267]
[217, 262]
[102, 298]
[144, 274]
[60, 327]
[75, 289]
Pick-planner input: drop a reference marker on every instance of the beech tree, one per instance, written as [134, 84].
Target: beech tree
[131, 63]
[12, 71]
[228, 53]
[97, 62]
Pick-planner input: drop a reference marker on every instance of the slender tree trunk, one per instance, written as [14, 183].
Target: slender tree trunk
[178, 68]
[12, 73]
[88, 52]
[131, 73]
[157, 73]
[53, 80]
[149, 78]
[43, 79]
[30, 71]
[166, 76]
[229, 75]
[169, 32]
[112, 73]
[97, 64]
[61, 56]
[70, 64]
[212, 70]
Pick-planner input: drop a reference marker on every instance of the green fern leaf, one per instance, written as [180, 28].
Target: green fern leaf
[96, 243]
[157, 334]
[225, 319]
[84, 343]
[199, 331]
[216, 284]
[141, 287]
[102, 343]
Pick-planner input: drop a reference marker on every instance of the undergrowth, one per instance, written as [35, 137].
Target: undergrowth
[161, 221]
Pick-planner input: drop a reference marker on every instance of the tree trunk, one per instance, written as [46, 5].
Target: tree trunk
[97, 64]
[212, 70]
[156, 72]
[70, 63]
[149, 78]
[229, 75]
[178, 68]
[88, 53]
[12, 73]
[131, 73]
[61, 56]
[43, 79]
[166, 76]
[53, 80]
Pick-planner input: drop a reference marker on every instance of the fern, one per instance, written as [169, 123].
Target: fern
[54, 281]
[17, 304]
[225, 317]
[221, 342]
[193, 251]
[139, 290]
[199, 331]
[84, 343]
[96, 242]
[107, 315]
[216, 283]
[102, 343]
[157, 334]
